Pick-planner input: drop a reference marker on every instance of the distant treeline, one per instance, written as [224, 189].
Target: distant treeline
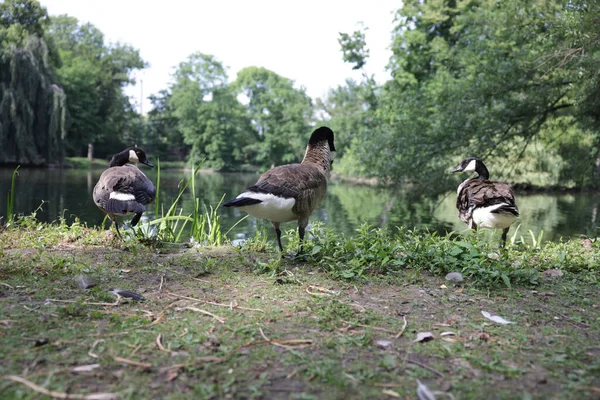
[514, 82]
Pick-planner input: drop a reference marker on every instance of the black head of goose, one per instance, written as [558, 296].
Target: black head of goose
[484, 203]
[291, 192]
[123, 188]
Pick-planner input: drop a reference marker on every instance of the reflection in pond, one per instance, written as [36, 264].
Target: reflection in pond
[68, 193]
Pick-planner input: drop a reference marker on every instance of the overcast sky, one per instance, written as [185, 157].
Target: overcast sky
[296, 39]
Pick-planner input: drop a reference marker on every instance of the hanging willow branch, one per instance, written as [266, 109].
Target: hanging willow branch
[33, 113]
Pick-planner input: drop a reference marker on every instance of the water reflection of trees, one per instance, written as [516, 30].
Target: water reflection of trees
[344, 208]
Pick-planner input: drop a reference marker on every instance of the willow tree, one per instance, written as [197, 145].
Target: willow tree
[33, 115]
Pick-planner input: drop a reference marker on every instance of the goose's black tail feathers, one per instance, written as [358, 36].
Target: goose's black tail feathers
[507, 208]
[121, 207]
[241, 202]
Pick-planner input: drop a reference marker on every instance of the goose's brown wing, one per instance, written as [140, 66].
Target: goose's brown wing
[484, 193]
[305, 183]
[128, 180]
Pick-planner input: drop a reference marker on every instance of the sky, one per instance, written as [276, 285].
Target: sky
[296, 39]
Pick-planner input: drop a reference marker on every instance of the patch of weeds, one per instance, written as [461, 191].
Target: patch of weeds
[76, 310]
[372, 251]
[270, 267]
[259, 243]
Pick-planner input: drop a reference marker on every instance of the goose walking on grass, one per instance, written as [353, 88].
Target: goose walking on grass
[482, 203]
[123, 188]
[291, 192]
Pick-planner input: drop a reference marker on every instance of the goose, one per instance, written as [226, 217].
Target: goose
[484, 203]
[123, 188]
[291, 192]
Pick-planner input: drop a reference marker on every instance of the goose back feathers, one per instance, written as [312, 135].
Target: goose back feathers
[484, 203]
[123, 188]
[291, 192]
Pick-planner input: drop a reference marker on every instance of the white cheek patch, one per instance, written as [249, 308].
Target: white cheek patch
[471, 166]
[121, 196]
[133, 156]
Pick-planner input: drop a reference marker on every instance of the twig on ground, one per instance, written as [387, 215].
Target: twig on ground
[427, 367]
[220, 319]
[7, 322]
[132, 362]
[60, 395]
[116, 303]
[390, 393]
[135, 350]
[162, 279]
[90, 351]
[403, 328]
[369, 326]
[320, 291]
[288, 344]
[7, 285]
[292, 374]
[213, 303]
[160, 345]
[158, 319]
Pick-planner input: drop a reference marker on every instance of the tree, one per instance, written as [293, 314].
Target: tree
[33, 118]
[280, 115]
[162, 137]
[19, 19]
[208, 114]
[488, 78]
[93, 75]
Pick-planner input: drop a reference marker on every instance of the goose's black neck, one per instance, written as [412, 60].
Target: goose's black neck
[483, 172]
[119, 159]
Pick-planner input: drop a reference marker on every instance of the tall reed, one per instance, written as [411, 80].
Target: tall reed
[10, 198]
[203, 225]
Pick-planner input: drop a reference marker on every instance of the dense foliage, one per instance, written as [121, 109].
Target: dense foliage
[33, 118]
[510, 80]
[513, 82]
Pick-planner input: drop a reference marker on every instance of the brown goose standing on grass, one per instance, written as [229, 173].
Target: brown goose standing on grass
[483, 203]
[291, 192]
[123, 188]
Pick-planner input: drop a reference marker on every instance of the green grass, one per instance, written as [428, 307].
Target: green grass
[292, 329]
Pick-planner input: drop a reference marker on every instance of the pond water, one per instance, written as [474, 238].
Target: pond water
[68, 193]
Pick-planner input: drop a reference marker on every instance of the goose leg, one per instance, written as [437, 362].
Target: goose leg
[117, 226]
[472, 225]
[504, 234]
[302, 224]
[278, 233]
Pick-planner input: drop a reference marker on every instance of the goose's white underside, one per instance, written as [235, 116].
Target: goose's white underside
[273, 208]
[485, 218]
[121, 196]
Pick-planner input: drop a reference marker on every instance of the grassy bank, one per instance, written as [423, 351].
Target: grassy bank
[224, 322]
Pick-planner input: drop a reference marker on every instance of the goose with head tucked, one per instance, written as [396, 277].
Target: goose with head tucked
[123, 188]
[291, 192]
[483, 203]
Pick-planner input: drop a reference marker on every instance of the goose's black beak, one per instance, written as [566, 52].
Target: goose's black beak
[148, 163]
[457, 169]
